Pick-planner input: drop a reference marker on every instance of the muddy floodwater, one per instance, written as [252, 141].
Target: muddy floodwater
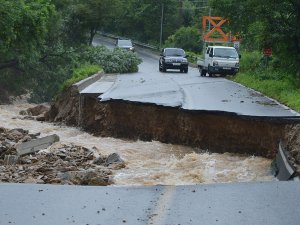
[151, 163]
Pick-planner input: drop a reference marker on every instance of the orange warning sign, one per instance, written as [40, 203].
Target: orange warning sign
[216, 34]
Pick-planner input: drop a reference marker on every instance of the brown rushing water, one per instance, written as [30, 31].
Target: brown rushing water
[151, 163]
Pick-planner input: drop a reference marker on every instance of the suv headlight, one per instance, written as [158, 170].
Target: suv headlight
[168, 60]
[215, 63]
[184, 60]
[237, 64]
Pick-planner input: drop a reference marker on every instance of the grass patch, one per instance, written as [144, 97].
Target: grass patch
[81, 73]
[277, 85]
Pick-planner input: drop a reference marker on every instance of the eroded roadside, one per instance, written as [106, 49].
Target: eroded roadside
[207, 131]
[146, 163]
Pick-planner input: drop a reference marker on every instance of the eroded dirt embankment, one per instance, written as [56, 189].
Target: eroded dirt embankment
[212, 132]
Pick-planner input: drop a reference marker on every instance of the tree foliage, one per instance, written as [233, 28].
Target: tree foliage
[188, 38]
[269, 23]
[113, 61]
[92, 15]
[23, 29]
[43, 41]
[141, 19]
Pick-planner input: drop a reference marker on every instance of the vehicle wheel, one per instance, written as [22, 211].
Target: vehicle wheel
[203, 73]
[209, 73]
[181, 70]
[164, 68]
[160, 69]
[186, 70]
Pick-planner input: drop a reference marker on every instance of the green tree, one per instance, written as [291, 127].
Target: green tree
[141, 19]
[93, 15]
[23, 29]
[188, 38]
[269, 23]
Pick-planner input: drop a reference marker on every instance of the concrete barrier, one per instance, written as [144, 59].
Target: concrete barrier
[88, 81]
[283, 170]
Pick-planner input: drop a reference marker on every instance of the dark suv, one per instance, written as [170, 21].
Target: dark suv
[173, 58]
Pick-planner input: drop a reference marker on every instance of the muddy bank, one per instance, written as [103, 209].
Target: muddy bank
[291, 142]
[213, 132]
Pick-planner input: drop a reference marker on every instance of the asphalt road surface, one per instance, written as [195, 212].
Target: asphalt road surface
[268, 203]
[187, 91]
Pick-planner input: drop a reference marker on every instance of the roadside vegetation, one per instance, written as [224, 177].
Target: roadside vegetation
[42, 43]
[267, 24]
[84, 71]
[46, 45]
[266, 76]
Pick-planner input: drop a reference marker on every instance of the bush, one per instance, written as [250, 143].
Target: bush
[74, 65]
[250, 60]
[187, 38]
[193, 57]
[81, 73]
[115, 61]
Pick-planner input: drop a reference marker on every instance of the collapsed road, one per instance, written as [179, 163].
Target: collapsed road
[231, 128]
[214, 114]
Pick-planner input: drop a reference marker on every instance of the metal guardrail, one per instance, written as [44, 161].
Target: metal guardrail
[137, 43]
[282, 168]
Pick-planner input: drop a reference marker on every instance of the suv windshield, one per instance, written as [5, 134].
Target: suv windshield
[122, 43]
[174, 52]
[225, 53]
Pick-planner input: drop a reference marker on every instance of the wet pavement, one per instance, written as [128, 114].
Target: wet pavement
[187, 91]
[268, 203]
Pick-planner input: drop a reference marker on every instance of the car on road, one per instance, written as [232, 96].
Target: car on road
[125, 44]
[219, 60]
[173, 58]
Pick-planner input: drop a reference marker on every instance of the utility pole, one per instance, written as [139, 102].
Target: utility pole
[204, 43]
[209, 16]
[161, 24]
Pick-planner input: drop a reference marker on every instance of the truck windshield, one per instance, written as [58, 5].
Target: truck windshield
[174, 52]
[225, 53]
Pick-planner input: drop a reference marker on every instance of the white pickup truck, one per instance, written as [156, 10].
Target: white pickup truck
[219, 60]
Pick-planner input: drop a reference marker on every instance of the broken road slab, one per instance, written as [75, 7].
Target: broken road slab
[25, 148]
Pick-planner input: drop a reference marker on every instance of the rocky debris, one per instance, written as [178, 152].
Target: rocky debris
[35, 113]
[10, 159]
[36, 110]
[95, 177]
[292, 145]
[59, 164]
[113, 158]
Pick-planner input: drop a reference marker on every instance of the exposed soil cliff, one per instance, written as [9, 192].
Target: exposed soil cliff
[292, 144]
[212, 132]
